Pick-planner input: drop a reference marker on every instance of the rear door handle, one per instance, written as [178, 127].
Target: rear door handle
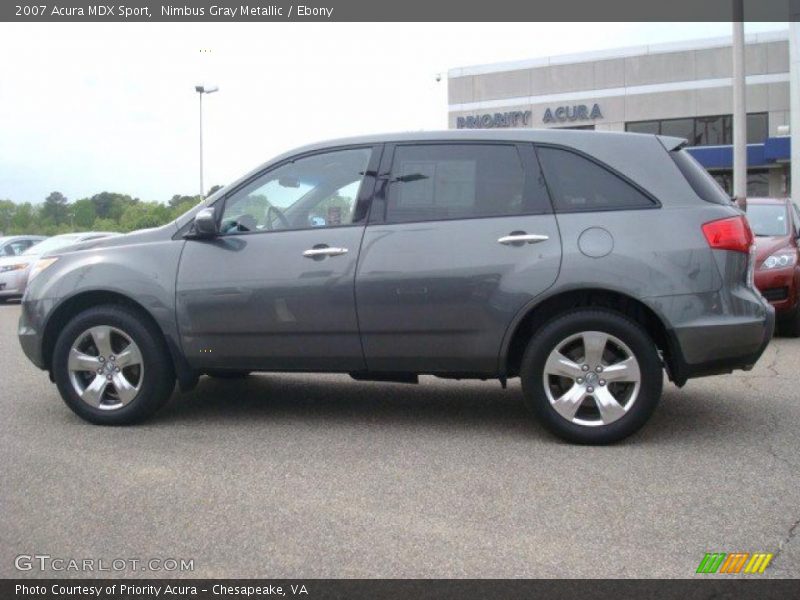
[324, 251]
[521, 238]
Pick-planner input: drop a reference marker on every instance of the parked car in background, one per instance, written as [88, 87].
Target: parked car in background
[776, 225]
[15, 269]
[14, 245]
[584, 263]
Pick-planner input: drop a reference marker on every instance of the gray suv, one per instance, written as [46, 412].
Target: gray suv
[584, 263]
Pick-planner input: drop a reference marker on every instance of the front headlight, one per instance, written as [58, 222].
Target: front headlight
[781, 259]
[40, 265]
[17, 267]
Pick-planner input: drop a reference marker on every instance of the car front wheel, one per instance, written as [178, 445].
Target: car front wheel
[112, 367]
[592, 376]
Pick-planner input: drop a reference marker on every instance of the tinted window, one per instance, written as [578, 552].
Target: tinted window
[315, 191]
[703, 184]
[768, 219]
[579, 184]
[459, 181]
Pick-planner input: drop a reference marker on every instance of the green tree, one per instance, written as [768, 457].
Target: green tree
[178, 199]
[84, 213]
[110, 205]
[214, 188]
[25, 219]
[55, 210]
[7, 212]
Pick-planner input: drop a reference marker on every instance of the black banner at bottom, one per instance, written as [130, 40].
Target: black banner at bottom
[357, 589]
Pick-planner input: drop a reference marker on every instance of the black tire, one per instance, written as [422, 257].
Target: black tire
[228, 374]
[158, 376]
[790, 326]
[561, 328]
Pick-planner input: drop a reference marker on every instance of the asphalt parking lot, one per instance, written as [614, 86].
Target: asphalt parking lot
[320, 476]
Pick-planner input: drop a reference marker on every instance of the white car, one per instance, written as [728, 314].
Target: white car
[13, 245]
[15, 269]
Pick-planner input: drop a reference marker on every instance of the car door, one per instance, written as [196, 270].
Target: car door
[275, 289]
[461, 237]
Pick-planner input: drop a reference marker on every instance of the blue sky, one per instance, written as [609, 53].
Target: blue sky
[91, 107]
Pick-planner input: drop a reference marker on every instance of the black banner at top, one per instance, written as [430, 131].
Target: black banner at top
[393, 10]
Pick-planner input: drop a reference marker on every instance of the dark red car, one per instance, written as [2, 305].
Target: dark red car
[776, 225]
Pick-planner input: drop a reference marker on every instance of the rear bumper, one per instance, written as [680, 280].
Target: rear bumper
[721, 348]
[715, 333]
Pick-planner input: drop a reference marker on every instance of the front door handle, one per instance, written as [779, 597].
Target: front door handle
[321, 251]
[522, 238]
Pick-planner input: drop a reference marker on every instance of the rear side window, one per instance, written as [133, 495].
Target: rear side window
[578, 184]
[703, 184]
[459, 181]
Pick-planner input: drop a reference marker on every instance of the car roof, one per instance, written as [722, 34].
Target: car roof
[506, 134]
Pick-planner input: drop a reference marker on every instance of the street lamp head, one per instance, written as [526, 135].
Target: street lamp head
[206, 89]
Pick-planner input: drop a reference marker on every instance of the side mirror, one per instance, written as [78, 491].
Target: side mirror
[205, 224]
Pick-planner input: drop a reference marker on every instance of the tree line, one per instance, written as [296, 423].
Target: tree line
[106, 211]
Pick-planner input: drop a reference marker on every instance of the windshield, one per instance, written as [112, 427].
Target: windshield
[54, 243]
[768, 219]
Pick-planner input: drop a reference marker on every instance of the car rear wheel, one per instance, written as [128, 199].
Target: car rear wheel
[112, 367]
[592, 376]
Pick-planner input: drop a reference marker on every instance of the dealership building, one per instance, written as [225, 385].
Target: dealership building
[680, 89]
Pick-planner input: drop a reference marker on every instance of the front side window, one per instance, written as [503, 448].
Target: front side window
[579, 184]
[320, 190]
[460, 181]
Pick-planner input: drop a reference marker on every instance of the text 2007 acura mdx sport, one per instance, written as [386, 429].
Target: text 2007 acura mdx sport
[581, 262]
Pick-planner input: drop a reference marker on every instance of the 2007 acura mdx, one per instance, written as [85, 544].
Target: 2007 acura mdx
[582, 262]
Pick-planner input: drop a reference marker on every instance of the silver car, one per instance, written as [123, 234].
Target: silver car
[15, 268]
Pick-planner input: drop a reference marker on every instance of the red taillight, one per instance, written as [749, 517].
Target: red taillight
[732, 233]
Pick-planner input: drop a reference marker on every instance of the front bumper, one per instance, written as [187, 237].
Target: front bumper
[30, 333]
[780, 287]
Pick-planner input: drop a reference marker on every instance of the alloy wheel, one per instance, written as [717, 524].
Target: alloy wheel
[106, 368]
[592, 378]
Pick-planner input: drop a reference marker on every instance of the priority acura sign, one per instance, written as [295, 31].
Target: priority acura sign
[577, 112]
[517, 118]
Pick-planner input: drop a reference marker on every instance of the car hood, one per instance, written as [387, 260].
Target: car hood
[767, 245]
[142, 236]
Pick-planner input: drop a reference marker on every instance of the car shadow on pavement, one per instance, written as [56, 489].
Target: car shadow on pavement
[327, 400]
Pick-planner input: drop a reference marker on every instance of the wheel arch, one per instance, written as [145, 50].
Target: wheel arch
[81, 301]
[534, 317]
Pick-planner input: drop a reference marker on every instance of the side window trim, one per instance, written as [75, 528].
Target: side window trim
[363, 202]
[656, 203]
[528, 161]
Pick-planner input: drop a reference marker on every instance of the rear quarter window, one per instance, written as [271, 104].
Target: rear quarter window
[579, 184]
[703, 184]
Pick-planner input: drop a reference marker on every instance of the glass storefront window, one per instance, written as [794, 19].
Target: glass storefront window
[757, 128]
[643, 127]
[757, 182]
[682, 128]
[714, 130]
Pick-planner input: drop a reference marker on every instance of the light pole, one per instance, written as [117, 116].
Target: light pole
[203, 89]
[739, 107]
